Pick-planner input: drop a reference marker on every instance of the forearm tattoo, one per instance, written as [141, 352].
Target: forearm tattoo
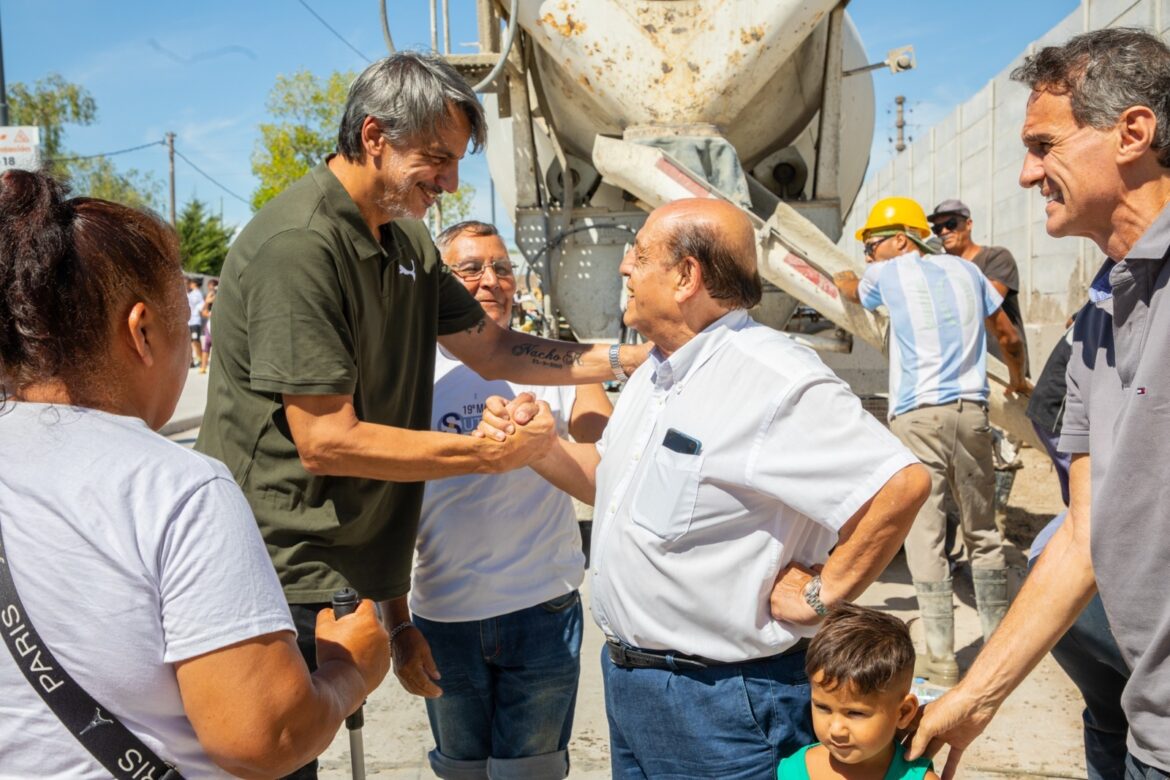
[545, 354]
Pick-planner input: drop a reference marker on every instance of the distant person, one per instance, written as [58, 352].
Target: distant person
[331, 303]
[494, 590]
[938, 306]
[195, 320]
[741, 490]
[205, 317]
[1097, 151]
[136, 561]
[860, 666]
[951, 222]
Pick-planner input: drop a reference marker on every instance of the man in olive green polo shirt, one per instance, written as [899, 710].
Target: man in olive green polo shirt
[330, 304]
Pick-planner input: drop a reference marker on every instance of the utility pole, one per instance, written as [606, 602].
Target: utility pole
[171, 154]
[3, 89]
[900, 124]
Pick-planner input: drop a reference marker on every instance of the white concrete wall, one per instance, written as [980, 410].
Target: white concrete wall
[975, 155]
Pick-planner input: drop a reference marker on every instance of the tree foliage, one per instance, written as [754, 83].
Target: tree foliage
[306, 110]
[51, 103]
[98, 178]
[203, 239]
[452, 207]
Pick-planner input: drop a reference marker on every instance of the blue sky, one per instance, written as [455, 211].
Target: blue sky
[204, 69]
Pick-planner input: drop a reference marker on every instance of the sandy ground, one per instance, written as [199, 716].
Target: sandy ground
[1036, 734]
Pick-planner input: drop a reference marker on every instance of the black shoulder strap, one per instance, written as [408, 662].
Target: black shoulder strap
[96, 728]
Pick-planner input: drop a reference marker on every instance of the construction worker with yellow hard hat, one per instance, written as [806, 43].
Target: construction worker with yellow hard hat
[891, 216]
[938, 305]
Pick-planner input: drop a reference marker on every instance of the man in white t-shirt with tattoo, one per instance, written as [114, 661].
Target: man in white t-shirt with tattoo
[499, 560]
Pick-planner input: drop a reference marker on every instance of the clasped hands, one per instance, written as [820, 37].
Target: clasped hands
[524, 427]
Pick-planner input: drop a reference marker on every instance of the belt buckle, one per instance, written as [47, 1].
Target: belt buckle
[617, 653]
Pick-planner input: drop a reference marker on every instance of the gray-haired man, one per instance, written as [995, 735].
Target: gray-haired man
[1097, 135]
[330, 305]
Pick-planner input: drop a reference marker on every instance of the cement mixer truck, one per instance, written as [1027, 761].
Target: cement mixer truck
[601, 110]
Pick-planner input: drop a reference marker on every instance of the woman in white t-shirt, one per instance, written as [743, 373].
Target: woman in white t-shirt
[137, 561]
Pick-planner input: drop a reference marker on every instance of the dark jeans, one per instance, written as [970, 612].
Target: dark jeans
[732, 722]
[305, 619]
[1136, 770]
[1089, 655]
[509, 690]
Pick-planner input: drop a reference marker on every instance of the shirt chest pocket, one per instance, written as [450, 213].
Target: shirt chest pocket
[667, 493]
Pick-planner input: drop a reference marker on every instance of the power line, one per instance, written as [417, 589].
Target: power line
[207, 176]
[340, 37]
[107, 154]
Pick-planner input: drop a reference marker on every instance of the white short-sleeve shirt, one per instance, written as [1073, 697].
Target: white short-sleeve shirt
[490, 544]
[130, 553]
[686, 547]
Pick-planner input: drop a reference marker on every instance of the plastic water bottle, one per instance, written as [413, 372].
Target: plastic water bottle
[926, 691]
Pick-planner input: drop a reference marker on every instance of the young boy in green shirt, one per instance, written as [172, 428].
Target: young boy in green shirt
[860, 666]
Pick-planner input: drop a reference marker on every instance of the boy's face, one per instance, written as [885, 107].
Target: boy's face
[856, 728]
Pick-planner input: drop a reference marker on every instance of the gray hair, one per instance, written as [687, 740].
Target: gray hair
[411, 95]
[471, 226]
[1105, 72]
[727, 276]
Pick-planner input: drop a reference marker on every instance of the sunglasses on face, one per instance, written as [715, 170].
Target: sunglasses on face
[871, 246]
[473, 269]
[949, 224]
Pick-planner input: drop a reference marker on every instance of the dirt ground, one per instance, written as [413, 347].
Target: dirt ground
[1036, 734]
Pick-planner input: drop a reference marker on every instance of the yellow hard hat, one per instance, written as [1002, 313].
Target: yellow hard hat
[896, 214]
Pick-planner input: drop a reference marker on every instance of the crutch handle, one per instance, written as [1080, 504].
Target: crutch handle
[345, 602]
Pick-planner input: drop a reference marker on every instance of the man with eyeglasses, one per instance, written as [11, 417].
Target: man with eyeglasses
[951, 222]
[499, 560]
[938, 305]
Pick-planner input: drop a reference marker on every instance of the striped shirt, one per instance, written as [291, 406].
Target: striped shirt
[938, 346]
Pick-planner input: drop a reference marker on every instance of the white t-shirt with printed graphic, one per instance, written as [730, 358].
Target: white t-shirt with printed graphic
[490, 544]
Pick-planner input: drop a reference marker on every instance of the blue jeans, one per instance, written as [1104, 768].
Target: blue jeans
[733, 722]
[1089, 655]
[509, 690]
[1136, 770]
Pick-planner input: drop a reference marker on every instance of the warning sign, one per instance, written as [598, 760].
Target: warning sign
[20, 147]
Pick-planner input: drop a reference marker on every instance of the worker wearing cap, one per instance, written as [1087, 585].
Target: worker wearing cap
[938, 407]
[951, 222]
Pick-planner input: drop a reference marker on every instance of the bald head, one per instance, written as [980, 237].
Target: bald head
[719, 236]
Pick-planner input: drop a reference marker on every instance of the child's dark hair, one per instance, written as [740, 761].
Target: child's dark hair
[868, 650]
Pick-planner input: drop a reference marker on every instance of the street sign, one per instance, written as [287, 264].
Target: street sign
[20, 147]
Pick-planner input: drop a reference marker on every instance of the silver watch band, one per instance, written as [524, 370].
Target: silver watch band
[615, 364]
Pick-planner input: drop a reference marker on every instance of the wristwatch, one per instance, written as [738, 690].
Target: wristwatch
[615, 364]
[812, 595]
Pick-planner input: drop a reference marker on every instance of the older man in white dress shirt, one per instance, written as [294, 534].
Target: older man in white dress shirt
[734, 462]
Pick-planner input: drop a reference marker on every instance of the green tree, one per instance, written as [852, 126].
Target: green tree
[51, 103]
[97, 177]
[203, 239]
[451, 207]
[306, 110]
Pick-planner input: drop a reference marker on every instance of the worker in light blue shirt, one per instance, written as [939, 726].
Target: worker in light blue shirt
[938, 306]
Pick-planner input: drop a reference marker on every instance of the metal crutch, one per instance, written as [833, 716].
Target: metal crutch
[345, 601]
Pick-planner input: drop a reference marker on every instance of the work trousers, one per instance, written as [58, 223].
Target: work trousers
[954, 442]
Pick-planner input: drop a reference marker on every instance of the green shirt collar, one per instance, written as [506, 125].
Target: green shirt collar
[347, 211]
